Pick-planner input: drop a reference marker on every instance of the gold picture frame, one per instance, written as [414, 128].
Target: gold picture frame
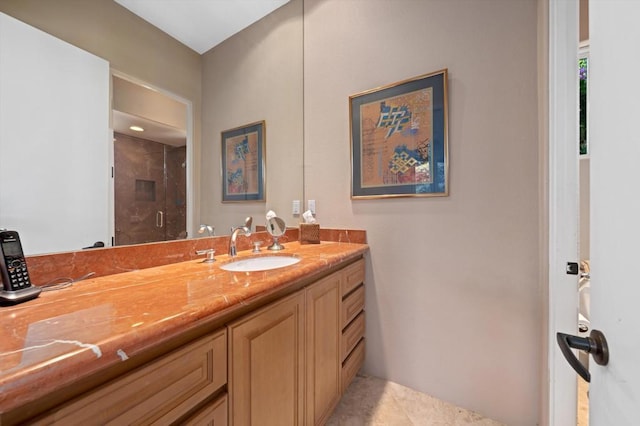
[243, 163]
[399, 139]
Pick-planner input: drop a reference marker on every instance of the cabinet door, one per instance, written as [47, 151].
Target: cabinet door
[323, 348]
[266, 375]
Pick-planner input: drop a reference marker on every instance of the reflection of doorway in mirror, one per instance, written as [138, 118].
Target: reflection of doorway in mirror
[151, 151]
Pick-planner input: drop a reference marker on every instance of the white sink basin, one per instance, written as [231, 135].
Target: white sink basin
[262, 263]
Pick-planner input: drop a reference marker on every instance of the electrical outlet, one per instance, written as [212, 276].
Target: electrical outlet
[312, 206]
[296, 207]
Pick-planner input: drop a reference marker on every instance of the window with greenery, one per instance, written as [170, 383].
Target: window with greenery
[582, 67]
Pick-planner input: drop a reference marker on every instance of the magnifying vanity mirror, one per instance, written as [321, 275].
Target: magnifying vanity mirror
[254, 75]
[276, 228]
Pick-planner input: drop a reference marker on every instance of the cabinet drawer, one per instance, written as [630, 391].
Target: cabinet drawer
[352, 305]
[159, 392]
[214, 414]
[352, 335]
[351, 365]
[353, 277]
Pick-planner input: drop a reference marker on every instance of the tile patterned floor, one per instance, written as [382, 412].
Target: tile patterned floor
[372, 401]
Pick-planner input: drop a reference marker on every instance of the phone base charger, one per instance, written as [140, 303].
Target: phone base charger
[19, 296]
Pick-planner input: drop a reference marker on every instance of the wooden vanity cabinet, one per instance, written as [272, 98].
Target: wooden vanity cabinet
[160, 392]
[288, 364]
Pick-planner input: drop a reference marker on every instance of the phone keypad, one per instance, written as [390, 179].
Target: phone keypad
[19, 276]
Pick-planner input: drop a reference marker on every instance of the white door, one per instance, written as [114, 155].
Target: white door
[563, 205]
[614, 396]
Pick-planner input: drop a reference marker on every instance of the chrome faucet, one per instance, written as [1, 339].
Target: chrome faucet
[246, 230]
[210, 229]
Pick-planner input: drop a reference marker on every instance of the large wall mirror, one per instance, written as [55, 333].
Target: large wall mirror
[254, 75]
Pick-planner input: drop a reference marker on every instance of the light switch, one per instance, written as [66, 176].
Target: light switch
[312, 206]
[296, 207]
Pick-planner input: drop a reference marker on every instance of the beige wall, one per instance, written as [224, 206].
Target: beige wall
[131, 45]
[454, 285]
[253, 76]
[135, 99]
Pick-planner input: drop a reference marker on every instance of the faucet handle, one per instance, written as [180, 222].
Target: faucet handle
[248, 221]
[210, 255]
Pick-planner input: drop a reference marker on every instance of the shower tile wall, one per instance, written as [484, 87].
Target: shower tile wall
[150, 191]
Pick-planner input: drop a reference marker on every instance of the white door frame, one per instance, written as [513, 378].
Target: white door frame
[563, 205]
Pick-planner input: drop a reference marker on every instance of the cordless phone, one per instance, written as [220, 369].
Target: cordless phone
[16, 284]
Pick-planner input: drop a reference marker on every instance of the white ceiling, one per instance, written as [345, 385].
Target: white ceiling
[201, 24]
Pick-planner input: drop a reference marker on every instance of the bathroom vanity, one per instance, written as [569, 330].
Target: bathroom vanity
[293, 354]
[190, 343]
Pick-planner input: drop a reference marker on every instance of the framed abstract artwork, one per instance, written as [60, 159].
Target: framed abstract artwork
[399, 139]
[243, 163]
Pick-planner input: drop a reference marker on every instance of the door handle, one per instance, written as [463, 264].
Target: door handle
[595, 344]
[159, 218]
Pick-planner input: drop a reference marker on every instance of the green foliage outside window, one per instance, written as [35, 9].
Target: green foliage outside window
[582, 67]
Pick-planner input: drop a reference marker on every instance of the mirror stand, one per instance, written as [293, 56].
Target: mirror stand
[276, 245]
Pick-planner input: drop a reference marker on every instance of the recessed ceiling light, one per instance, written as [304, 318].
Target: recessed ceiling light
[136, 128]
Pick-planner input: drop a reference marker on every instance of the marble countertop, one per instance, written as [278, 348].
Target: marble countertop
[68, 334]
